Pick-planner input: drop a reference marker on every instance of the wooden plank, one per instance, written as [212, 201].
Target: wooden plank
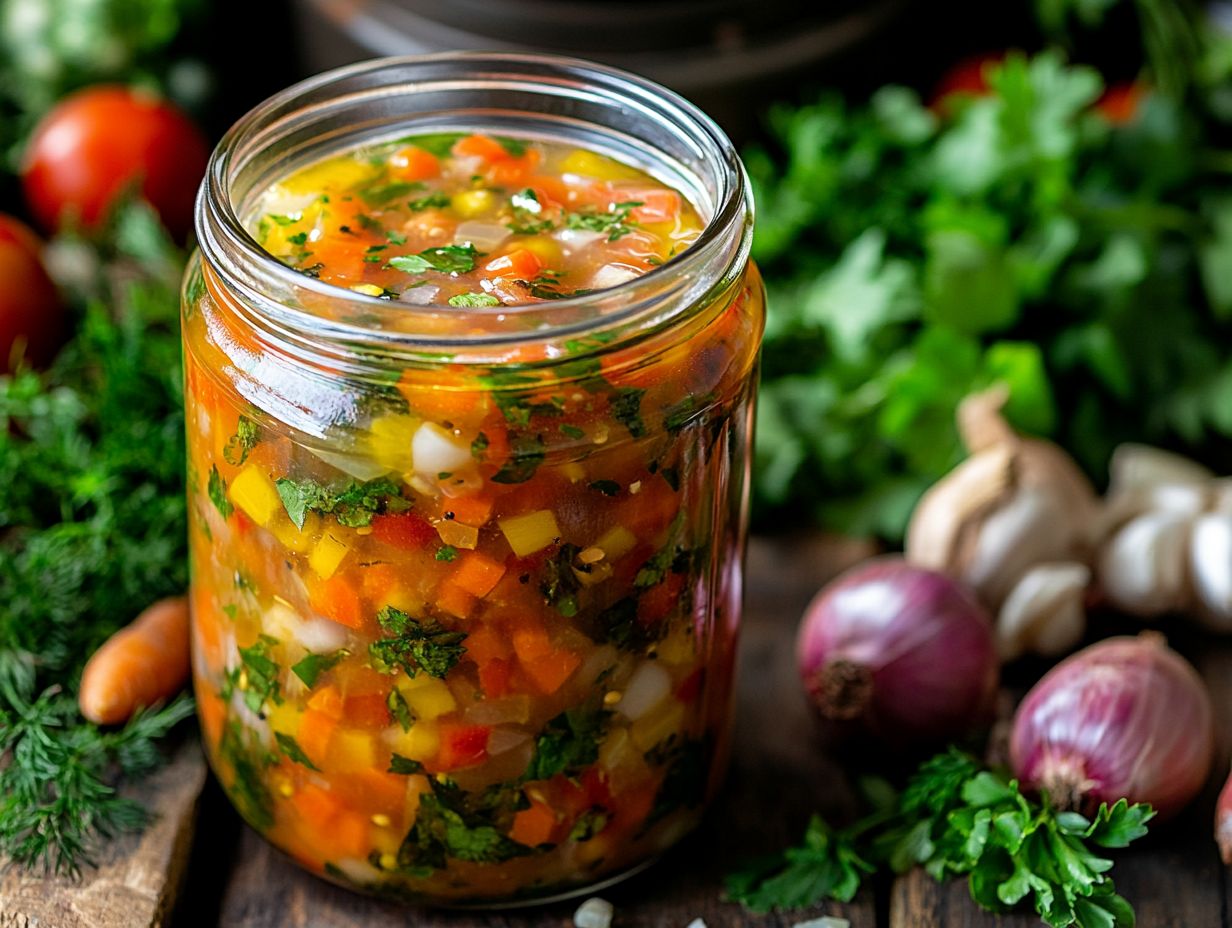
[139, 875]
[1173, 879]
[778, 777]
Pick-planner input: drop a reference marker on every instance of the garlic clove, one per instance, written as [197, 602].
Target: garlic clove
[1210, 568]
[1143, 566]
[1135, 466]
[1045, 611]
[957, 502]
[1033, 526]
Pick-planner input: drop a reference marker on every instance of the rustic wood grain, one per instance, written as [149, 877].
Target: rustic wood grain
[1173, 878]
[778, 777]
[138, 877]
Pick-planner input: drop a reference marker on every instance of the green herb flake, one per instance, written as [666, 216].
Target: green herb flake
[448, 259]
[294, 752]
[404, 765]
[416, 646]
[473, 300]
[217, 490]
[431, 201]
[526, 453]
[239, 446]
[310, 667]
[353, 504]
[399, 710]
[446, 553]
[626, 404]
[568, 744]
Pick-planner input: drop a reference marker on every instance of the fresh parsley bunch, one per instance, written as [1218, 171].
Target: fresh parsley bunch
[914, 256]
[92, 530]
[955, 818]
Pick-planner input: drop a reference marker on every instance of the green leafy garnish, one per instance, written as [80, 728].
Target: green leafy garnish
[310, 667]
[431, 201]
[448, 259]
[627, 409]
[568, 743]
[242, 751]
[399, 710]
[446, 553]
[451, 824]
[216, 489]
[353, 504]
[473, 300]
[416, 646]
[240, 445]
[256, 676]
[559, 584]
[404, 765]
[955, 818]
[382, 193]
[294, 752]
[614, 223]
[526, 453]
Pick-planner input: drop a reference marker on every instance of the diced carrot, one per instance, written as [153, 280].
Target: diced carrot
[469, 510]
[349, 834]
[521, 264]
[530, 639]
[383, 791]
[550, 191]
[315, 731]
[494, 677]
[485, 644]
[424, 393]
[377, 580]
[657, 205]
[212, 711]
[406, 530]
[316, 806]
[327, 700]
[551, 671]
[514, 171]
[337, 599]
[413, 163]
[366, 710]
[454, 600]
[658, 602]
[461, 746]
[533, 826]
[477, 573]
[481, 146]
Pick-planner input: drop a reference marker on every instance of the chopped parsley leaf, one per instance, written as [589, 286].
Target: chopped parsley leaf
[431, 201]
[294, 752]
[474, 299]
[568, 743]
[240, 445]
[313, 665]
[448, 259]
[526, 453]
[399, 711]
[217, 490]
[404, 765]
[446, 553]
[416, 646]
[626, 406]
[353, 505]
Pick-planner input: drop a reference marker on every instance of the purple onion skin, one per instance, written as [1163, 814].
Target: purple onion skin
[1126, 718]
[899, 653]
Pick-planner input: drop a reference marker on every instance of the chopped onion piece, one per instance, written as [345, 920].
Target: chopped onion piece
[576, 239]
[321, 635]
[511, 709]
[486, 236]
[281, 621]
[423, 295]
[612, 275]
[501, 740]
[649, 686]
[594, 913]
[436, 451]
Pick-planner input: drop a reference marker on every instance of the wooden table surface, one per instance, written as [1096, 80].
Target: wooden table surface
[778, 777]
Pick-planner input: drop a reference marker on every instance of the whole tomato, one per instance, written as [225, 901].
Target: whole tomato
[97, 143]
[32, 321]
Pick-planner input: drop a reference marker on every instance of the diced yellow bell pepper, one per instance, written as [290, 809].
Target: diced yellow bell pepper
[616, 542]
[677, 648]
[327, 555]
[427, 697]
[543, 248]
[591, 164]
[296, 539]
[420, 743]
[530, 532]
[471, 203]
[254, 493]
[654, 727]
[367, 289]
[389, 441]
[352, 750]
[284, 718]
[336, 172]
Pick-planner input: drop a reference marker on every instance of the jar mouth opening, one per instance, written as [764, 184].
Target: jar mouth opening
[378, 100]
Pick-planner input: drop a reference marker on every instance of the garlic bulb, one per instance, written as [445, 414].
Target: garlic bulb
[1135, 467]
[1045, 611]
[1143, 566]
[1015, 502]
[1210, 568]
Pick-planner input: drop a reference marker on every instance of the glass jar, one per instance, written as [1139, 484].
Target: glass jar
[513, 682]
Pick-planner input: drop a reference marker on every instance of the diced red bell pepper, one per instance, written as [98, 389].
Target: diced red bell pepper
[405, 530]
[462, 746]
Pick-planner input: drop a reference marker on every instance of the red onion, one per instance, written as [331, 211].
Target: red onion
[1126, 718]
[904, 653]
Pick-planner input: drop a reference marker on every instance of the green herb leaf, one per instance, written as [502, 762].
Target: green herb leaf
[399, 710]
[416, 646]
[431, 201]
[294, 752]
[217, 491]
[310, 667]
[239, 446]
[473, 300]
[568, 743]
[404, 765]
[446, 553]
[526, 453]
[353, 504]
[448, 259]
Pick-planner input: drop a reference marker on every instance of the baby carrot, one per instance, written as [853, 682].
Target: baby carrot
[143, 663]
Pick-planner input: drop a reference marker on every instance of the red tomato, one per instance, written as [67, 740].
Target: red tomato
[965, 77]
[32, 323]
[99, 142]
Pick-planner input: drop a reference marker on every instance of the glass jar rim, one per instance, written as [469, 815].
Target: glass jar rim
[662, 296]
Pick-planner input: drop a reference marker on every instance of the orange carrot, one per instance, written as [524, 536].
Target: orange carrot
[337, 599]
[477, 573]
[480, 146]
[413, 163]
[143, 663]
[454, 600]
[533, 826]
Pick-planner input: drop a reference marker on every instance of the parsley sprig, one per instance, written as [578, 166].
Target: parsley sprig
[416, 646]
[955, 818]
